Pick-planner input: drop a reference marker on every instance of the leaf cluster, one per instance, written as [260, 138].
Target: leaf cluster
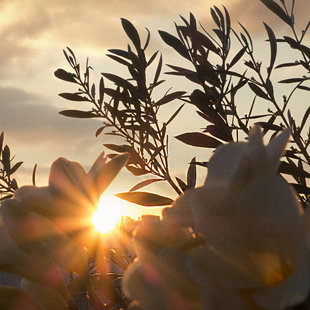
[8, 183]
[218, 74]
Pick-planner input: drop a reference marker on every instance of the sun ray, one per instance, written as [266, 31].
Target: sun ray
[109, 213]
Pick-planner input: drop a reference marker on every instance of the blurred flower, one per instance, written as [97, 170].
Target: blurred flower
[158, 278]
[45, 229]
[255, 254]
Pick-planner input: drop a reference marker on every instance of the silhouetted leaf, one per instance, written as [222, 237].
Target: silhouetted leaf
[273, 48]
[170, 97]
[34, 171]
[145, 199]
[137, 171]
[6, 197]
[119, 52]
[174, 114]
[132, 33]
[267, 125]
[78, 114]
[15, 167]
[73, 97]
[303, 87]
[275, 8]
[304, 119]
[288, 64]
[182, 185]
[258, 91]
[198, 139]
[1, 142]
[119, 81]
[175, 43]
[292, 170]
[292, 80]
[119, 60]
[101, 91]
[144, 183]
[6, 159]
[158, 70]
[64, 75]
[191, 174]
[237, 57]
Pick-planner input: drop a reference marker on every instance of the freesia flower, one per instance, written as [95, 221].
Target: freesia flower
[255, 254]
[256, 249]
[158, 278]
[47, 228]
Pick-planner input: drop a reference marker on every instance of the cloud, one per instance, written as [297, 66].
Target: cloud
[38, 134]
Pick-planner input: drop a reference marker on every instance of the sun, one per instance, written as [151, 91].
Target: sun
[109, 213]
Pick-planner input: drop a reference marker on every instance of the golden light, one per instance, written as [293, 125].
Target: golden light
[109, 213]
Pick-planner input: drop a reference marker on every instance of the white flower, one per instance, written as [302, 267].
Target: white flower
[45, 229]
[253, 225]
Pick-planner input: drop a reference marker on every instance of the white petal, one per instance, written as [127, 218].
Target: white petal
[223, 163]
[290, 292]
[276, 148]
[48, 298]
[102, 174]
[256, 136]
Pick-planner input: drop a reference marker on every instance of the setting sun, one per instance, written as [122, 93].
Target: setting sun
[109, 213]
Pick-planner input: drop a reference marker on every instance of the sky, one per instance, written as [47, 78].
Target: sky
[33, 34]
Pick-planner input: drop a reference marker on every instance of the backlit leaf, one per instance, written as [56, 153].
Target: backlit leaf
[198, 139]
[144, 183]
[273, 48]
[258, 91]
[73, 97]
[275, 8]
[175, 43]
[64, 75]
[78, 114]
[132, 33]
[145, 199]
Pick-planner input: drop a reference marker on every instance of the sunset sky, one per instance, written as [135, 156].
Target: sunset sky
[33, 34]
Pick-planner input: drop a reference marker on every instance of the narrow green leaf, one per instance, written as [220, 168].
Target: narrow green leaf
[73, 97]
[78, 114]
[145, 199]
[276, 9]
[174, 115]
[136, 171]
[258, 91]
[65, 76]
[273, 48]
[132, 33]
[198, 139]
[191, 174]
[175, 43]
[170, 97]
[144, 183]
[15, 167]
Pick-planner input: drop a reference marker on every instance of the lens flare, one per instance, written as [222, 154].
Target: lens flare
[108, 214]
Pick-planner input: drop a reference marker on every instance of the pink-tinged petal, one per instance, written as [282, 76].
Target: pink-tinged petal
[292, 291]
[256, 137]
[37, 199]
[47, 298]
[224, 162]
[251, 239]
[102, 174]
[276, 148]
[68, 179]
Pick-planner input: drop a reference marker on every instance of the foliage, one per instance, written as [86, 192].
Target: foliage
[219, 75]
[130, 110]
[8, 184]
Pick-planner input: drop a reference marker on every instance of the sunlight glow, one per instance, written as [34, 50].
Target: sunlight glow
[108, 214]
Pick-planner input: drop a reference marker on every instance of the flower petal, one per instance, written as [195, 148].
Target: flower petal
[48, 298]
[276, 147]
[68, 181]
[102, 174]
[224, 162]
[288, 293]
